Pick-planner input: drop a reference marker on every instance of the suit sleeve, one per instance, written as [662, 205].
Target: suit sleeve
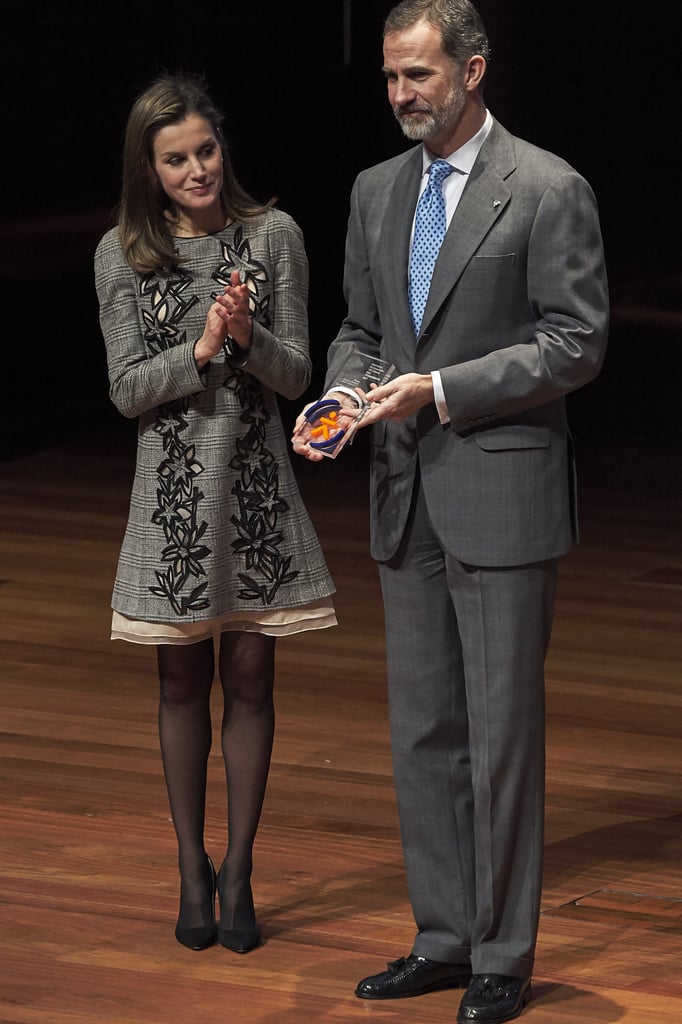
[361, 326]
[567, 308]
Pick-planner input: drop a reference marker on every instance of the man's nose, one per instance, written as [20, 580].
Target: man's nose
[403, 92]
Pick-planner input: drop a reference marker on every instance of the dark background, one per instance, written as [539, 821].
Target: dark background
[306, 109]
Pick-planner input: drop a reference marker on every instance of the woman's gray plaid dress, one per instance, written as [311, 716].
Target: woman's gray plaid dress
[216, 522]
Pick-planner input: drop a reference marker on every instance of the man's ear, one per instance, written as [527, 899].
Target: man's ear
[476, 67]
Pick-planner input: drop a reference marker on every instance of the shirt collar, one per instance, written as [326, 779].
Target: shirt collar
[464, 158]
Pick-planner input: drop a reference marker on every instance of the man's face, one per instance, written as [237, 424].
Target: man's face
[425, 88]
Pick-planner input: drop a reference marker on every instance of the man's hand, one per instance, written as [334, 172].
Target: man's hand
[400, 398]
[340, 418]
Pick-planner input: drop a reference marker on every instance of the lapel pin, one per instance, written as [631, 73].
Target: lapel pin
[496, 203]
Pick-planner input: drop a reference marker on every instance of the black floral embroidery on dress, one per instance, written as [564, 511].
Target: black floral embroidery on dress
[260, 503]
[251, 272]
[259, 534]
[168, 309]
[257, 488]
[177, 499]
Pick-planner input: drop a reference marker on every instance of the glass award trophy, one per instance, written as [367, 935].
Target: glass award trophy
[330, 423]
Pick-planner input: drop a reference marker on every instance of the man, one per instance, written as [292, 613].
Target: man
[472, 493]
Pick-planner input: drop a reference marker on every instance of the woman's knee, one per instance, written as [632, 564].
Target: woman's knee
[247, 667]
[185, 672]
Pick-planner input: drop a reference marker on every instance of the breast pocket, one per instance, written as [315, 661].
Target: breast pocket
[492, 263]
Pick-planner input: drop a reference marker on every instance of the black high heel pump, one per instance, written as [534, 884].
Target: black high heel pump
[238, 940]
[205, 935]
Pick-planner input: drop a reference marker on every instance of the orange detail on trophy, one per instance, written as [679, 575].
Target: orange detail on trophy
[326, 424]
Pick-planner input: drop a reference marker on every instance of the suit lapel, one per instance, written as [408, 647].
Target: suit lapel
[395, 240]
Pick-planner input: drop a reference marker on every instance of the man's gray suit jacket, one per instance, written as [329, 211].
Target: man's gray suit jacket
[517, 317]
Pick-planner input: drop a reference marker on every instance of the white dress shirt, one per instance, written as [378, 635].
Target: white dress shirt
[462, 160]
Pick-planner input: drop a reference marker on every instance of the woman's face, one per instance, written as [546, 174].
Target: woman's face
[189, 164]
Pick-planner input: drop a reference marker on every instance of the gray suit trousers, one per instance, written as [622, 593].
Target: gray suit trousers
[466, 648]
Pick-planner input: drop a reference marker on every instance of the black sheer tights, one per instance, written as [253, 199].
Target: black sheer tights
[246, 670]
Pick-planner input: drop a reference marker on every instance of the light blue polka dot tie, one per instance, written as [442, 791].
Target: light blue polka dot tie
[429, 232]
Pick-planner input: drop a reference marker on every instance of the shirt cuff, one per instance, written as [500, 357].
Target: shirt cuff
[346, 391]
[439, 397]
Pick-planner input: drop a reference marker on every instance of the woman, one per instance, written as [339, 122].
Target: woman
[202, 296]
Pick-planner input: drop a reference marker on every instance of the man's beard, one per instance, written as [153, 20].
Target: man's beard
[432, 121]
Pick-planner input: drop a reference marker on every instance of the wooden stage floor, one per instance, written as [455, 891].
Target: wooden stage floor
[88, 886]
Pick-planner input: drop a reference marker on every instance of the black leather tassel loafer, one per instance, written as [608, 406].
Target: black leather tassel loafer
[493, 999]
[412, 976]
